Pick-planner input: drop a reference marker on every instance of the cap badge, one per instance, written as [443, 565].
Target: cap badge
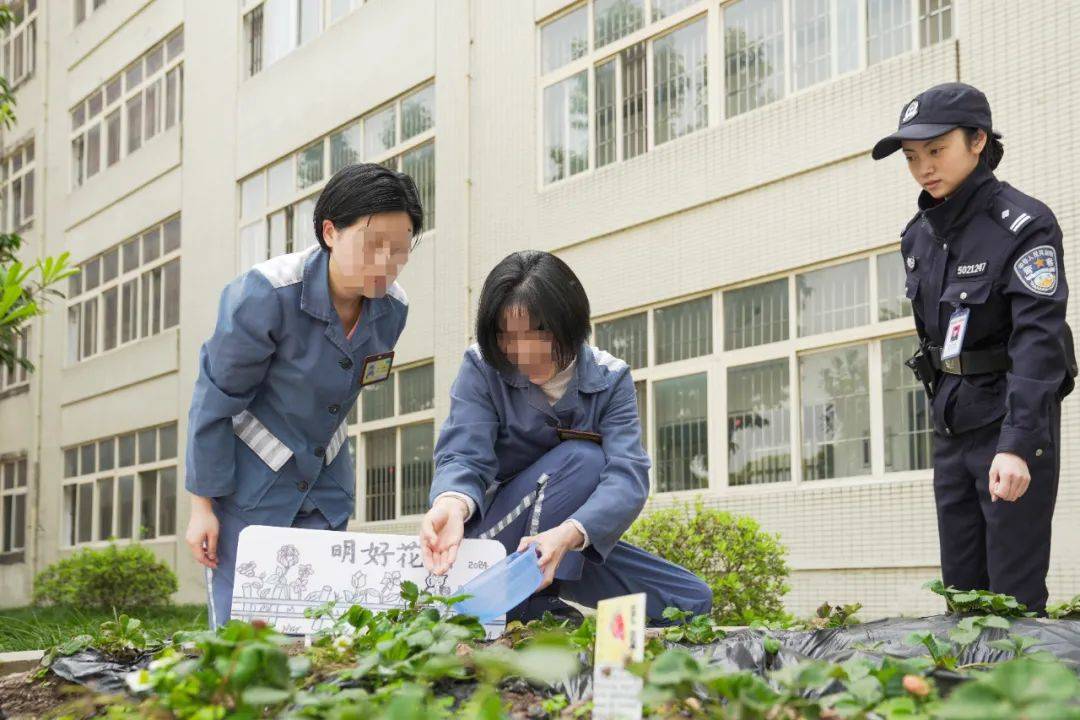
[911, 111]
[1004, 213]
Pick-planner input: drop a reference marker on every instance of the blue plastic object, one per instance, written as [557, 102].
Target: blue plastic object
[502, 586]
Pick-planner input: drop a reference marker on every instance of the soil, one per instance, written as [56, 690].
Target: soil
[23, 697]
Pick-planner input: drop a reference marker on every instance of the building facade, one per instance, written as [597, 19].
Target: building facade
[703, 165]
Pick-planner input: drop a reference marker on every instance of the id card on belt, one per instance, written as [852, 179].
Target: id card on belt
[376, 368]
[954, 335]
[568, 434]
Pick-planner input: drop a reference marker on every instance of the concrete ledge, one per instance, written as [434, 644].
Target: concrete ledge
[21, 661]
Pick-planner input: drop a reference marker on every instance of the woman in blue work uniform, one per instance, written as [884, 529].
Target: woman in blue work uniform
[297, 337]
[986, 281]
[543, 445]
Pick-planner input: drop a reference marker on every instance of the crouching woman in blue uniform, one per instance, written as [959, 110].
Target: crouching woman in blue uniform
[543, 445]
[297, 337]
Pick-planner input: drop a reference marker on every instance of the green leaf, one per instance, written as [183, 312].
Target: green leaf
[262, 696]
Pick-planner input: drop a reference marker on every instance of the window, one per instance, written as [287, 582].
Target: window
[18, 375]
[758, 420]
[835, 413]
[20, 43]
[396, 432]
[83, 9]
[909, 433]
[892, 302]
[277, 203]
[13, 485]
[833, 298]
[668, 70]
[626, 338]
[274, 28]
[17, 188]
[127, 293]
[756, 315]
[684, 331]
[121, 487]
[681, 456]
[753, 54]
[935, 21]
[129, 110]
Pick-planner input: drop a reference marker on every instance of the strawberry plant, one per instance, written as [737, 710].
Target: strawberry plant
[978, 601]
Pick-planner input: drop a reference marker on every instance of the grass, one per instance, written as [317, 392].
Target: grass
[37, 628]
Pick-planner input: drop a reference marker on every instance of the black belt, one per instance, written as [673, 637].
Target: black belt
[971, 362]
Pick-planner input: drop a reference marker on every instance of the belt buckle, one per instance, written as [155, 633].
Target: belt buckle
[952, 366]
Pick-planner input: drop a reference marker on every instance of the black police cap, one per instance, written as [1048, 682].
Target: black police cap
[935, 112]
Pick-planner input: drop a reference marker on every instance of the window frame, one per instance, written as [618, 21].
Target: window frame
[11, 219]
[17, 380]
[247, 7]
[12, 464]
[24, 32]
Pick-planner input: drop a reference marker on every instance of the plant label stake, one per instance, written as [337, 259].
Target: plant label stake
[620, 640]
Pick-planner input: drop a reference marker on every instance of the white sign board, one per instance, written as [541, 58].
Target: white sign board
[280, 572]
[620, 640]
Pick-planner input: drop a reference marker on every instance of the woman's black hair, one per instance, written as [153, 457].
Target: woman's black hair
[364, 189]
[545, 287]
[992, 151]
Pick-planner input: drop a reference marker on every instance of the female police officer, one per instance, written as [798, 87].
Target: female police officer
[543, 444]
[985, 278]
[296, 338]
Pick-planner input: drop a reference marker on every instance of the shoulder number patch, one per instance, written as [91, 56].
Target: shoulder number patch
[1037, 270]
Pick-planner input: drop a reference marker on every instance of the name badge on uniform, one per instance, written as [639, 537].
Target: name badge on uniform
[568, 434]
[376, 368]
[954, 338]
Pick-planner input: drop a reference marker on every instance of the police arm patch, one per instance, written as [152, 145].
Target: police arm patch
[1037, 270]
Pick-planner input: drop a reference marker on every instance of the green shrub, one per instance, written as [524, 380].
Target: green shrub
[114, 577]
[744, 566]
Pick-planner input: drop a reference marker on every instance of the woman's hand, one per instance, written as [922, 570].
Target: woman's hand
[441, 534]
[202, 532]
[553, 545]
[1009, 477]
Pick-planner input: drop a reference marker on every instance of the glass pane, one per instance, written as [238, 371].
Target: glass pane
[613, 19]
[566, 127]
[681, 96]
[113, 90]
[170, 277]
[148, 504]
[105, 508]
[759, 424]
[684, 330]
[112, 138]
[604, 122]
[417, 388]
[74, 282]
[174, 45]
[280, 182]
[344, 148]
[147, 446]
[92, 274]
[151, 245]
[88, 459]
[278, 228]
[70, 514]
[892, 303]
[253, 248]
[89, 328]
[909, 434]
[167, 506]
[641, 391]
[835, 413]
[564, 40]
[625, 338]
[847, 35]
[71, 462]
[253, 195]
[378, 400]
[134, 123]
[352, 418]
[171, 236]
[86, 513]
[380, 132]
[833, 298]
[133, 75]
[279, 35]
[418, 112]
[131, 255]
[756, 315]
[155, 59]
[18, 523]
[110, 306]
[167, 435]
[106, 455]
[309, 165]
[935, 21]
[380, 475]
[172, 96]
[93, 150]
[419, 164]
[888, 30]
[20, 474]
[682, 433]
[125, 506]
[635, 96]
[310, 19]
[128, 309]
[663, 8]
[304, 224]
[416, 467]
[753, 54]
[810, 42]
[127, 450]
